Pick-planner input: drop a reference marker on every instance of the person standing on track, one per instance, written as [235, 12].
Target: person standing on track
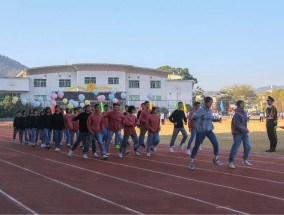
[143, 123]
[58, 127]
[271, 123]
[191, 127]
[203, 123]
[16, 125]
[177, 117]
[240, 134]
[130, 122]
[47, 127]
[154, 127]
[82, 117]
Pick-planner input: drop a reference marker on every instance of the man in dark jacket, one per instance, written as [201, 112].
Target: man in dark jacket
[178, 118]
[271, 123]
[240, 134]
[16, 125]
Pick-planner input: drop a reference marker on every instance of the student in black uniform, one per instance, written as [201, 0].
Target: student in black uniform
[47, 127]
[84, 132]
[271, 123]
[16, 125]
[29, 131]
[33, 126]
[57, 125]
[22, 126]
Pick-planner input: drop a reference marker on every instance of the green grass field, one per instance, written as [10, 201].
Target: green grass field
[257, 135]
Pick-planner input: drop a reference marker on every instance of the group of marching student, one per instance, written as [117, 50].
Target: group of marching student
[91, 128]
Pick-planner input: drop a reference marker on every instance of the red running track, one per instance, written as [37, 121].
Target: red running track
[35, 180]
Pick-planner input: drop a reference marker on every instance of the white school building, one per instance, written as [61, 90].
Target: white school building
[137, 82]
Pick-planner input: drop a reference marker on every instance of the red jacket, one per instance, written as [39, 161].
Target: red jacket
[153, 123]
[129, 123]
[143, 118]
[95, 123]
[68, 121]
[105, 119]
[115, 119]
[191, 123]
[75, 123]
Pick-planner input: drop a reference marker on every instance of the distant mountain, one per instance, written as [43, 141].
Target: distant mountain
[265, 89]
[9, 67]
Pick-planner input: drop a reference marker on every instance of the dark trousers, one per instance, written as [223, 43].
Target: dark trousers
[271, 132]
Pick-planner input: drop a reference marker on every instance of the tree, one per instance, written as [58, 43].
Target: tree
[183, 72]
[198, 94]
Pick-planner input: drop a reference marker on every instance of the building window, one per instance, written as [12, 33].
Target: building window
[158, 98]
[11, 95]
[113, 80]
[39, 82]
[133, 84]
[90, 80]
[37, 96]
[155, 84]
[134, 97]
[64, 83]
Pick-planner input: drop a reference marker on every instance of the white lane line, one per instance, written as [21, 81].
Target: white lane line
[124, 180]
[206, 161]
[208, 170]
[152, 171]
[18, 203]
[71, 187]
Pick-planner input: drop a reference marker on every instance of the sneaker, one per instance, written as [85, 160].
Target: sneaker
[43, 145]
[188, 152]
[85, 156]
[117, 146]
[137, 153]
[68, 145]
[180, 147]
[120, 155]
[231, 165]
[200, 148]
[171, 149]
[69, 154]
[105, 157]
[60, 144]
[217, 162]
[96, 155]
[191, 165]
[107, 154]
[155, 149]
[246, 163]
[57, 149]
[148, 154]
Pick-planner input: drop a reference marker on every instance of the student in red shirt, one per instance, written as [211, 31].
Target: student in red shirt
[130, 122]
[154, 127]
[95, 125]
[115, 118]
[143, 122]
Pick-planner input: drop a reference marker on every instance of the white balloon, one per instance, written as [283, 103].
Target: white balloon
[40, 99]
[123, 95]
[81, 97]
[75, 104]
[71, 101]
[82, 105]
[24, 101]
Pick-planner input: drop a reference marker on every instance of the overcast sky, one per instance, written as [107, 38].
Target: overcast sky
[222, 42]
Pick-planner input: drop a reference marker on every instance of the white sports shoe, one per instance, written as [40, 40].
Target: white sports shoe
[188, 152]
[155, 149]
[105, 157]
[148, 155]
[246, 163]
[69, 154]
[57, 149]
[120, 155]
[191, 165]
[180, 147]
[231, 165]
[85, 156]
[42, 145]
[200, 148]
[171, 150]
[137, 153]
[96, 155]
